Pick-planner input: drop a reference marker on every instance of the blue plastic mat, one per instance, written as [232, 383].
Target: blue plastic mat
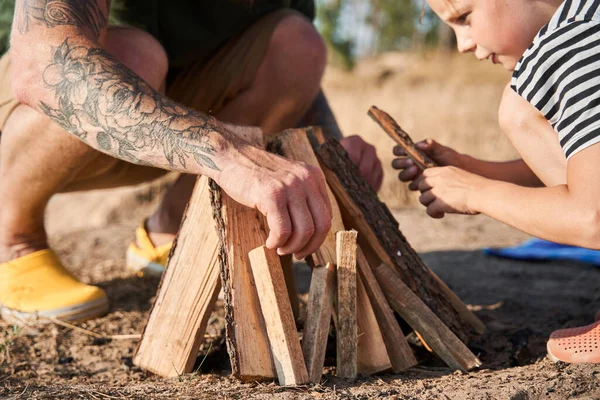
[538, 249]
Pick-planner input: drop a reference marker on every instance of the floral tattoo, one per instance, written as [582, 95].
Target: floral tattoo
[100, 100]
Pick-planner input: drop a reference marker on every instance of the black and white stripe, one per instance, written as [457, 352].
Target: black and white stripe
[560, 74]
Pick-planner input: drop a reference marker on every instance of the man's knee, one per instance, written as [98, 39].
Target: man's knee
[140, 52]
[296, 39]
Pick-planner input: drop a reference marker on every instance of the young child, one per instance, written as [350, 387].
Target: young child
[550, 112]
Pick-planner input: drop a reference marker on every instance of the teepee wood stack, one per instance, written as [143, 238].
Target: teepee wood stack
[363, 273]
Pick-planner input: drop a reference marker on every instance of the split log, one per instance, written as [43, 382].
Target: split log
[278, 316]
[380, 235]
[241, 230]
[401, 137]
[318, 319]
[371, 354]
[398, 350]
[347, 339]
[187, 293]
[437, 335]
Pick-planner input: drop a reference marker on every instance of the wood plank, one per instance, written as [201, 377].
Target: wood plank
[187, 293]
[347, 339]
[437, 335]
[241, 230]
[278, 316]
[379, 234]
[398, 350]
[318, 319]
[392, 128]
[372, 354]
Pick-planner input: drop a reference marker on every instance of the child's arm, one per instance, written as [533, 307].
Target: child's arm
[567, 213]
[516, 171]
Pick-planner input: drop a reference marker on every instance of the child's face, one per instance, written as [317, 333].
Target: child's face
[498, 30]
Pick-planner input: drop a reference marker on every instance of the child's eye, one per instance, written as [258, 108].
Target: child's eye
[463, 19]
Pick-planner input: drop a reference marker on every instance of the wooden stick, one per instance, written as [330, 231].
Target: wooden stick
[437, 335]
[318, 319]
[279, 319]
[371, 352]
[287, 264]
[379, 235]
[347, 340]
[187, 293]
[401, 137]
[241, 230]
[398, 349]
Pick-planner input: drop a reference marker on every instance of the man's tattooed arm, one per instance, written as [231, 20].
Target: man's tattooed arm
[320, 114]
[109, 107]
[96, 98]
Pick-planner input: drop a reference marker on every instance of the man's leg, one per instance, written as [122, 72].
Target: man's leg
[285, 86]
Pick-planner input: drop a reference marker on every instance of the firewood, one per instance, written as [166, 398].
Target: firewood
[398, 350]
[241, 230]
[187, 293]
[379, 235]
[279, 319]
[437, 335]
[287, 264]
[347, 340]
[318, 319]
[371, 352]
[401, 137]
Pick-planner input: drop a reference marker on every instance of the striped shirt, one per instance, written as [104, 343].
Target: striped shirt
[560, 74]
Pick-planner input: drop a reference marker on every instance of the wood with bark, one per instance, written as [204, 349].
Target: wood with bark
[398, 350]
[318, 319]
[241, 230]
[279, 318]
[437, 335]
[187, 293]
[398, 134]
[347, 328]
[381, 239]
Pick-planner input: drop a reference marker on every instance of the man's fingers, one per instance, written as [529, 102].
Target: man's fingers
[280, 225]
[426, 198]
[402, 163]
[409, 174]
[303, 226]
[414, 185]
[399, 150]
[321, 216]
[435, 210]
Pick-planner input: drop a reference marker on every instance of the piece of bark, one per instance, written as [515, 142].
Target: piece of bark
[379, 235]
[241, 230]
[187, 293]
[347, 339]
[279, 318]
[437, 335]
[372, 354]
[318, 319]
[398, 350]
[401, 137]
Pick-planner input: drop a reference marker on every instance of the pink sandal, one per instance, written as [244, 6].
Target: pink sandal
[576, 345]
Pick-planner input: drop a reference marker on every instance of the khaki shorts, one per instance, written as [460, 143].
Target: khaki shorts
[206, 87]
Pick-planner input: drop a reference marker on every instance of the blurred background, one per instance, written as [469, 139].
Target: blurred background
[397, 55]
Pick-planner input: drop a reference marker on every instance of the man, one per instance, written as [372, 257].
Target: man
[84, 105]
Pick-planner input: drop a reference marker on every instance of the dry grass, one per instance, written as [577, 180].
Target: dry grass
[451, 98]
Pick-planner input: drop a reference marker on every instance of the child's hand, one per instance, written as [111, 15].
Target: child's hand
[448, 190]
[441, 154]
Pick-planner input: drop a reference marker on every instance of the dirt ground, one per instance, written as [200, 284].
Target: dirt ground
[520, 302]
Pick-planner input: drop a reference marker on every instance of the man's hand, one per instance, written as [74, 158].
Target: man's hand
[441, 154]
[365, 157]
[448, 190]
[292, 196]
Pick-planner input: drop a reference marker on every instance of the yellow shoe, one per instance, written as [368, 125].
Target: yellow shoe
[145, 259]
[37, 286]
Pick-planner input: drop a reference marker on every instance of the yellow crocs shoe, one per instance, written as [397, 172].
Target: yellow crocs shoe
[37, 286]
[145, 259]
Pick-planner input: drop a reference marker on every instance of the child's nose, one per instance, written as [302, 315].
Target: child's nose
[465, 44]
